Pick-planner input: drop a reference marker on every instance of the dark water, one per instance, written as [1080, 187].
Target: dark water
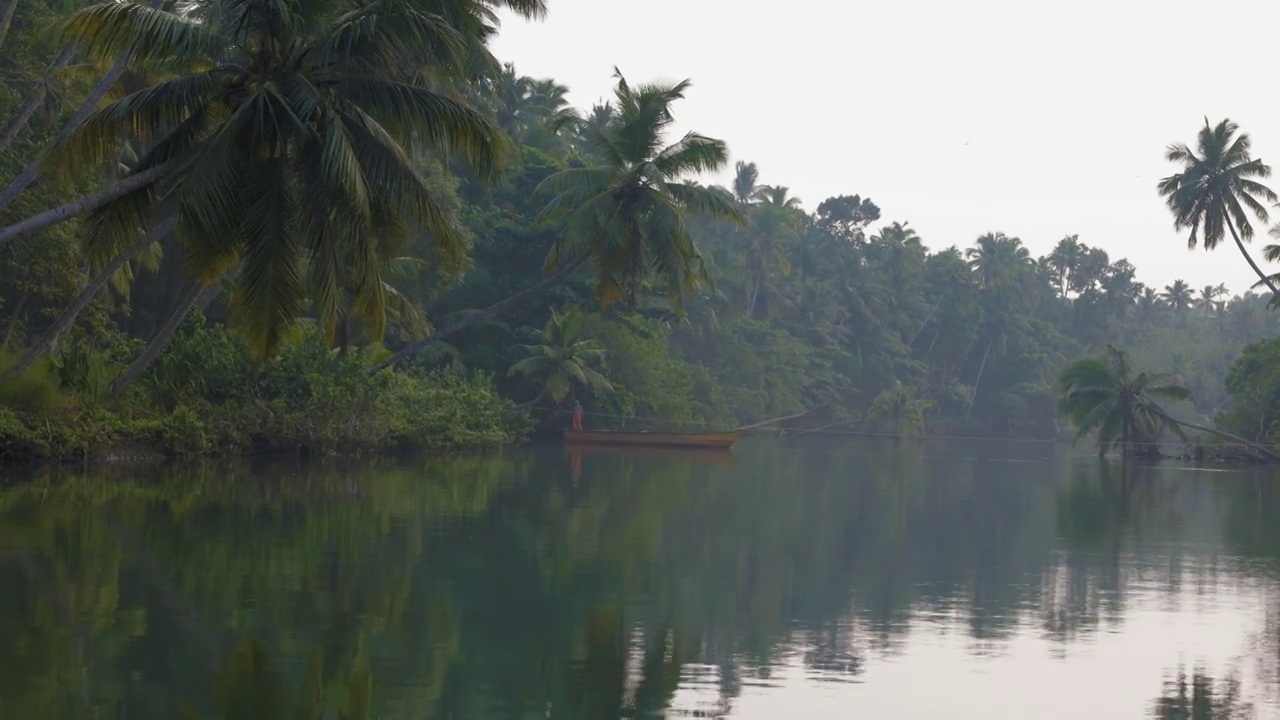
[826, 580]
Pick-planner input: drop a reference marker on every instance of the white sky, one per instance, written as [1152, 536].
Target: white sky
[1035, 119]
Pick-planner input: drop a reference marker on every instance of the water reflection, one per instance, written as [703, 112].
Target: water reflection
[907, 580]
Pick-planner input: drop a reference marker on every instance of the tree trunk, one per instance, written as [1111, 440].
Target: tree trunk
[1249, 259]
[1221, 433]
[924, 324]
[978, 380]
[13, 318]
[18, 122]
[76, 208]
[416, 347]
[755, 294]
[6, 17]
[99, 281]
[198, 297]
[90, 103]
[28, 176]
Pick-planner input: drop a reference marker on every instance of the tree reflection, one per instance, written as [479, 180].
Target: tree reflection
[1201, 697]
[506, 587]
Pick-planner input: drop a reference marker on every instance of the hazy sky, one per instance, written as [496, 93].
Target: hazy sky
[1035, 119]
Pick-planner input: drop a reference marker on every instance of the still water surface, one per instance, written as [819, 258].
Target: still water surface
[806, 580]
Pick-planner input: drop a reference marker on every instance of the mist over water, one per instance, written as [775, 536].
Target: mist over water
[822, 578]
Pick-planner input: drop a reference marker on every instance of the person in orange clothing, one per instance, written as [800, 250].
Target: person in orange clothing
[577, 415]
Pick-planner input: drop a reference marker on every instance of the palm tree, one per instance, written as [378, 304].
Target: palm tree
[562, 360]
[1149, 305]
[897, 411]
[998, 261]
[286, 135]
[1218, 188]
[1179, 296]
[1102, 396]
[1208, 300]
[1065, 258]
[776, 218]
[744, 182]
[628, 214]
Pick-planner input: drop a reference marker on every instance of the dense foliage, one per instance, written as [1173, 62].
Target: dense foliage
[421, 199]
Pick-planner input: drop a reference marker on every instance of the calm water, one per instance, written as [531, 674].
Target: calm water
[817, 580]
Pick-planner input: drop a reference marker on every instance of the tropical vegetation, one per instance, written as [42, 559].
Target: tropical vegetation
[202, 193]
[1107, 397]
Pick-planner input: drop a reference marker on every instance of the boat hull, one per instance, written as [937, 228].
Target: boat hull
[651, 439]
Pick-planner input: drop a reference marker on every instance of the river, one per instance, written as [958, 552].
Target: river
[792, 579]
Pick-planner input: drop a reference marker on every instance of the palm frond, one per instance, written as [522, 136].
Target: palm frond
[118, 28]
[416, 114]
[269, 290]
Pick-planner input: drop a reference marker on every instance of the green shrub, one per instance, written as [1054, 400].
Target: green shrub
[445, 410]
[206, 363]
[35, 391]
[83, 370]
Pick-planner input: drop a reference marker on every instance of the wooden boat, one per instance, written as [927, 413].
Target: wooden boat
[652, 439]
[707, 455]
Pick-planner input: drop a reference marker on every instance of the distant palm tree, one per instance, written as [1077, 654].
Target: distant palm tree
[998, 260]
[1179, 296]
[744, 182]
[1208, 299]
[1149, 304]
[1065, 259]
[1000, 263]
[629, 213]
[1218, 188]
[562, 360]
[776, 219]
[1102, 396]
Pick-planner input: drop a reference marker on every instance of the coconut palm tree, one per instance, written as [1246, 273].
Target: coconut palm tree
[562, 360]
[744, 182]
[1103, 396]
[1207, 302]
[999, 261]
[628, 214]
[1179, 296]
[776, 219]
[1218, 189]
[1065, 258]
[286, 134]
[1150, 304]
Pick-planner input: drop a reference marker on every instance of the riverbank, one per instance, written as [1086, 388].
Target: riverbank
[101, 434]
[207, 397]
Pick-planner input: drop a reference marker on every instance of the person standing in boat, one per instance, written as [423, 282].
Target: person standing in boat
[577, 415]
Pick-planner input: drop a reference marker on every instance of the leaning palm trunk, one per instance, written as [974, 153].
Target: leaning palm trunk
[978, 380]
[418, 346]
[19, 122]
[1221, 433]
[105, 83]
[90, 291]
[88, 203]
[7, 7]
[32, 171]
[1270, 285]
[198, 297]
[755, 294]
[15, 314]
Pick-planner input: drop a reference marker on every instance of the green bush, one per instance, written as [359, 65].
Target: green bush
[204, 393]
[36, 390]
[445, 410]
